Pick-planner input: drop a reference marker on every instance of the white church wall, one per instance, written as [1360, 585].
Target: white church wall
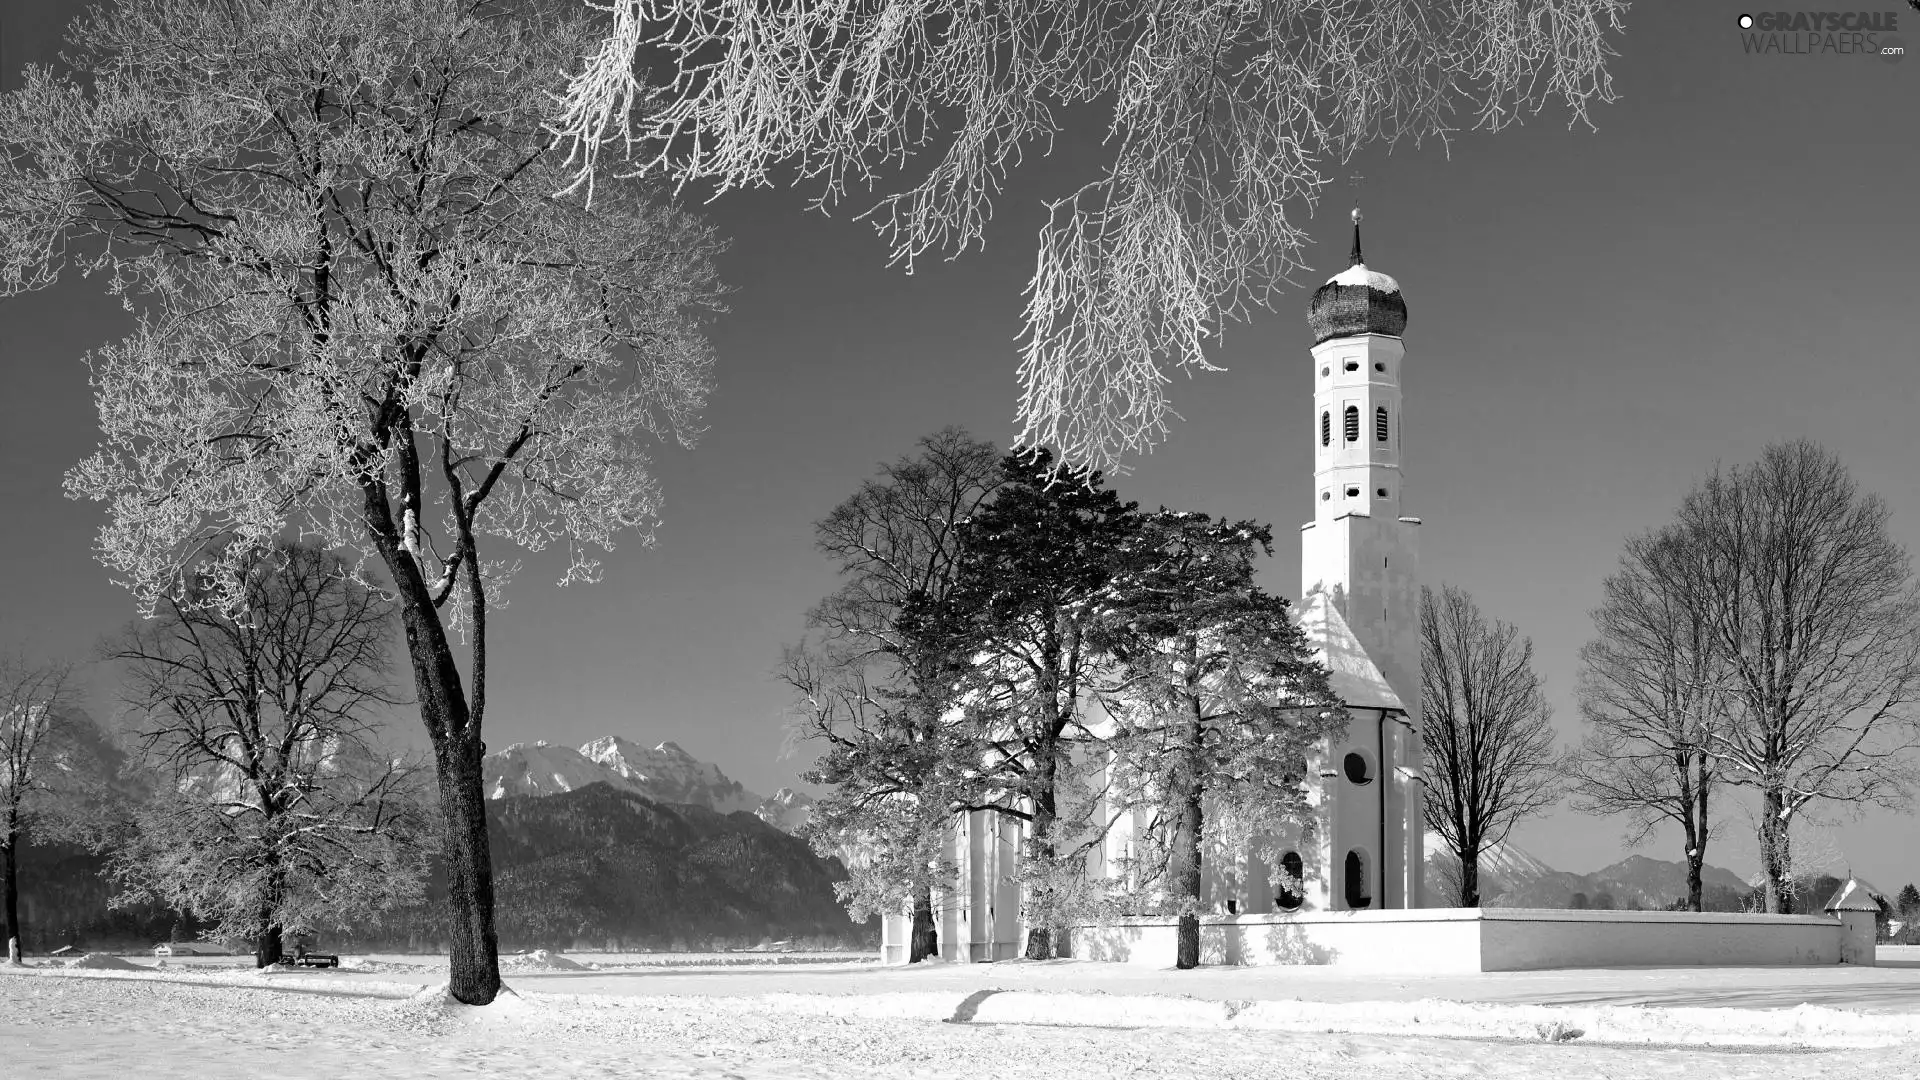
[1456, 940]
[1518, 939]
[1439, 941]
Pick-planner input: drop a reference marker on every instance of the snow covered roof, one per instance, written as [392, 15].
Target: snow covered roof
[1856, 895]
[1358, 274]
[1354, 676]
[1357, 301]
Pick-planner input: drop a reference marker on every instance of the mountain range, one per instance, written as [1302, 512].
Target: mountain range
[664, 773]
[1511, 877]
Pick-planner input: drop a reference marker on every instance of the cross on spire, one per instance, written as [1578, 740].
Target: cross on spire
[1354, 181]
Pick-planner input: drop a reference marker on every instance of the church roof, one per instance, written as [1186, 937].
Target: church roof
[1357, 301]
[1354, 677]
[1855, 895]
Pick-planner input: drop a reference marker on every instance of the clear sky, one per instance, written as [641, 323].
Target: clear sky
[1596, 318]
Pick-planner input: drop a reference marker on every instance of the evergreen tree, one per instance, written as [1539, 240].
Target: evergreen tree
[1035, 564]
[1216, 701]
[1908, 903]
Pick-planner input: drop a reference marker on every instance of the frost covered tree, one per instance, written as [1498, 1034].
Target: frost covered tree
[890, 773]
[44, 765]
[364, 317]
[1216, 702]
[1817, 615]
[875, 685]
[1651, 694]
[259, 703]
[1486, 730]
[1220, 119]
[1035, 564]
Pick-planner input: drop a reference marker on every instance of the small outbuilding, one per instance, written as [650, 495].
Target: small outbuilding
[1858, 906]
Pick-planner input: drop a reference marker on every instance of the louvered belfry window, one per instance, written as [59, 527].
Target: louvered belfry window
[1326, 428]
[1353, 423]
[1380, 424]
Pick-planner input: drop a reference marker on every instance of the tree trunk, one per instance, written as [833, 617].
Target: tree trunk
[1776, 856]
[1186, 877]
[474, 946]
[1470, 878]
[7, 845]
[1695, 822]
[926, 939]
[267, 947]
[1041, 941]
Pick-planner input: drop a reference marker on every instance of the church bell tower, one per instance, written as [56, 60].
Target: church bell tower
[1360, 589]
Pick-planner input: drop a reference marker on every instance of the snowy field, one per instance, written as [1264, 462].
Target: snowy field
[383, 1016]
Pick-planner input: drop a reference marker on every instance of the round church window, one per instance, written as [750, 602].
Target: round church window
[1357, 769]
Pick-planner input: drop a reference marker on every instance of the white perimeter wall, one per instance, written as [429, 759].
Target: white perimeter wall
[1477, 939]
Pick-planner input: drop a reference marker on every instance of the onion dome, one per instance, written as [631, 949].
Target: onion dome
[1356, 301]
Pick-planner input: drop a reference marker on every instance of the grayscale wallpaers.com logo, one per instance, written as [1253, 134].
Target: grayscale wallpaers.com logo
[1835, 33]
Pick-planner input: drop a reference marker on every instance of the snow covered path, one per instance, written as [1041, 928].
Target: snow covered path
[115, 1025]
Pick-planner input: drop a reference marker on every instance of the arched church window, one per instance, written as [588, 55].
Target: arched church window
[1353, 423]
[1358, 769]
[1380, 424]
[1356, 881]
[1292, 893]
[1326, 428]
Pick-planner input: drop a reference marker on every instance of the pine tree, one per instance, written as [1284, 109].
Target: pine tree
[1216, 700]
[1034, 563]
[1908, 903]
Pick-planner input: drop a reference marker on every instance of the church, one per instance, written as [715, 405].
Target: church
[1360, 596]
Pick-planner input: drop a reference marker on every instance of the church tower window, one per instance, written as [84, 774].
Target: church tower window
[1380, 424]
[1326, 428]
[1353, 423]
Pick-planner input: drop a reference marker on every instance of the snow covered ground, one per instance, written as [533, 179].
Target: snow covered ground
[973, 1021]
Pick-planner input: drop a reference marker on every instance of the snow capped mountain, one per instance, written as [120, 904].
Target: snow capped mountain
[542, 768]
[667, 773]
[664, 773]
[786, 809]
[1511, 877]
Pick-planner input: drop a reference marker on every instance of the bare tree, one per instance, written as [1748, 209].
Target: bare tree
[364, 318]
[1222, 117]
[39, 748]
[1818, 616]
[890, 810]
[1650, 695]
[1486, 729]
[875, 690]
[283, 812]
